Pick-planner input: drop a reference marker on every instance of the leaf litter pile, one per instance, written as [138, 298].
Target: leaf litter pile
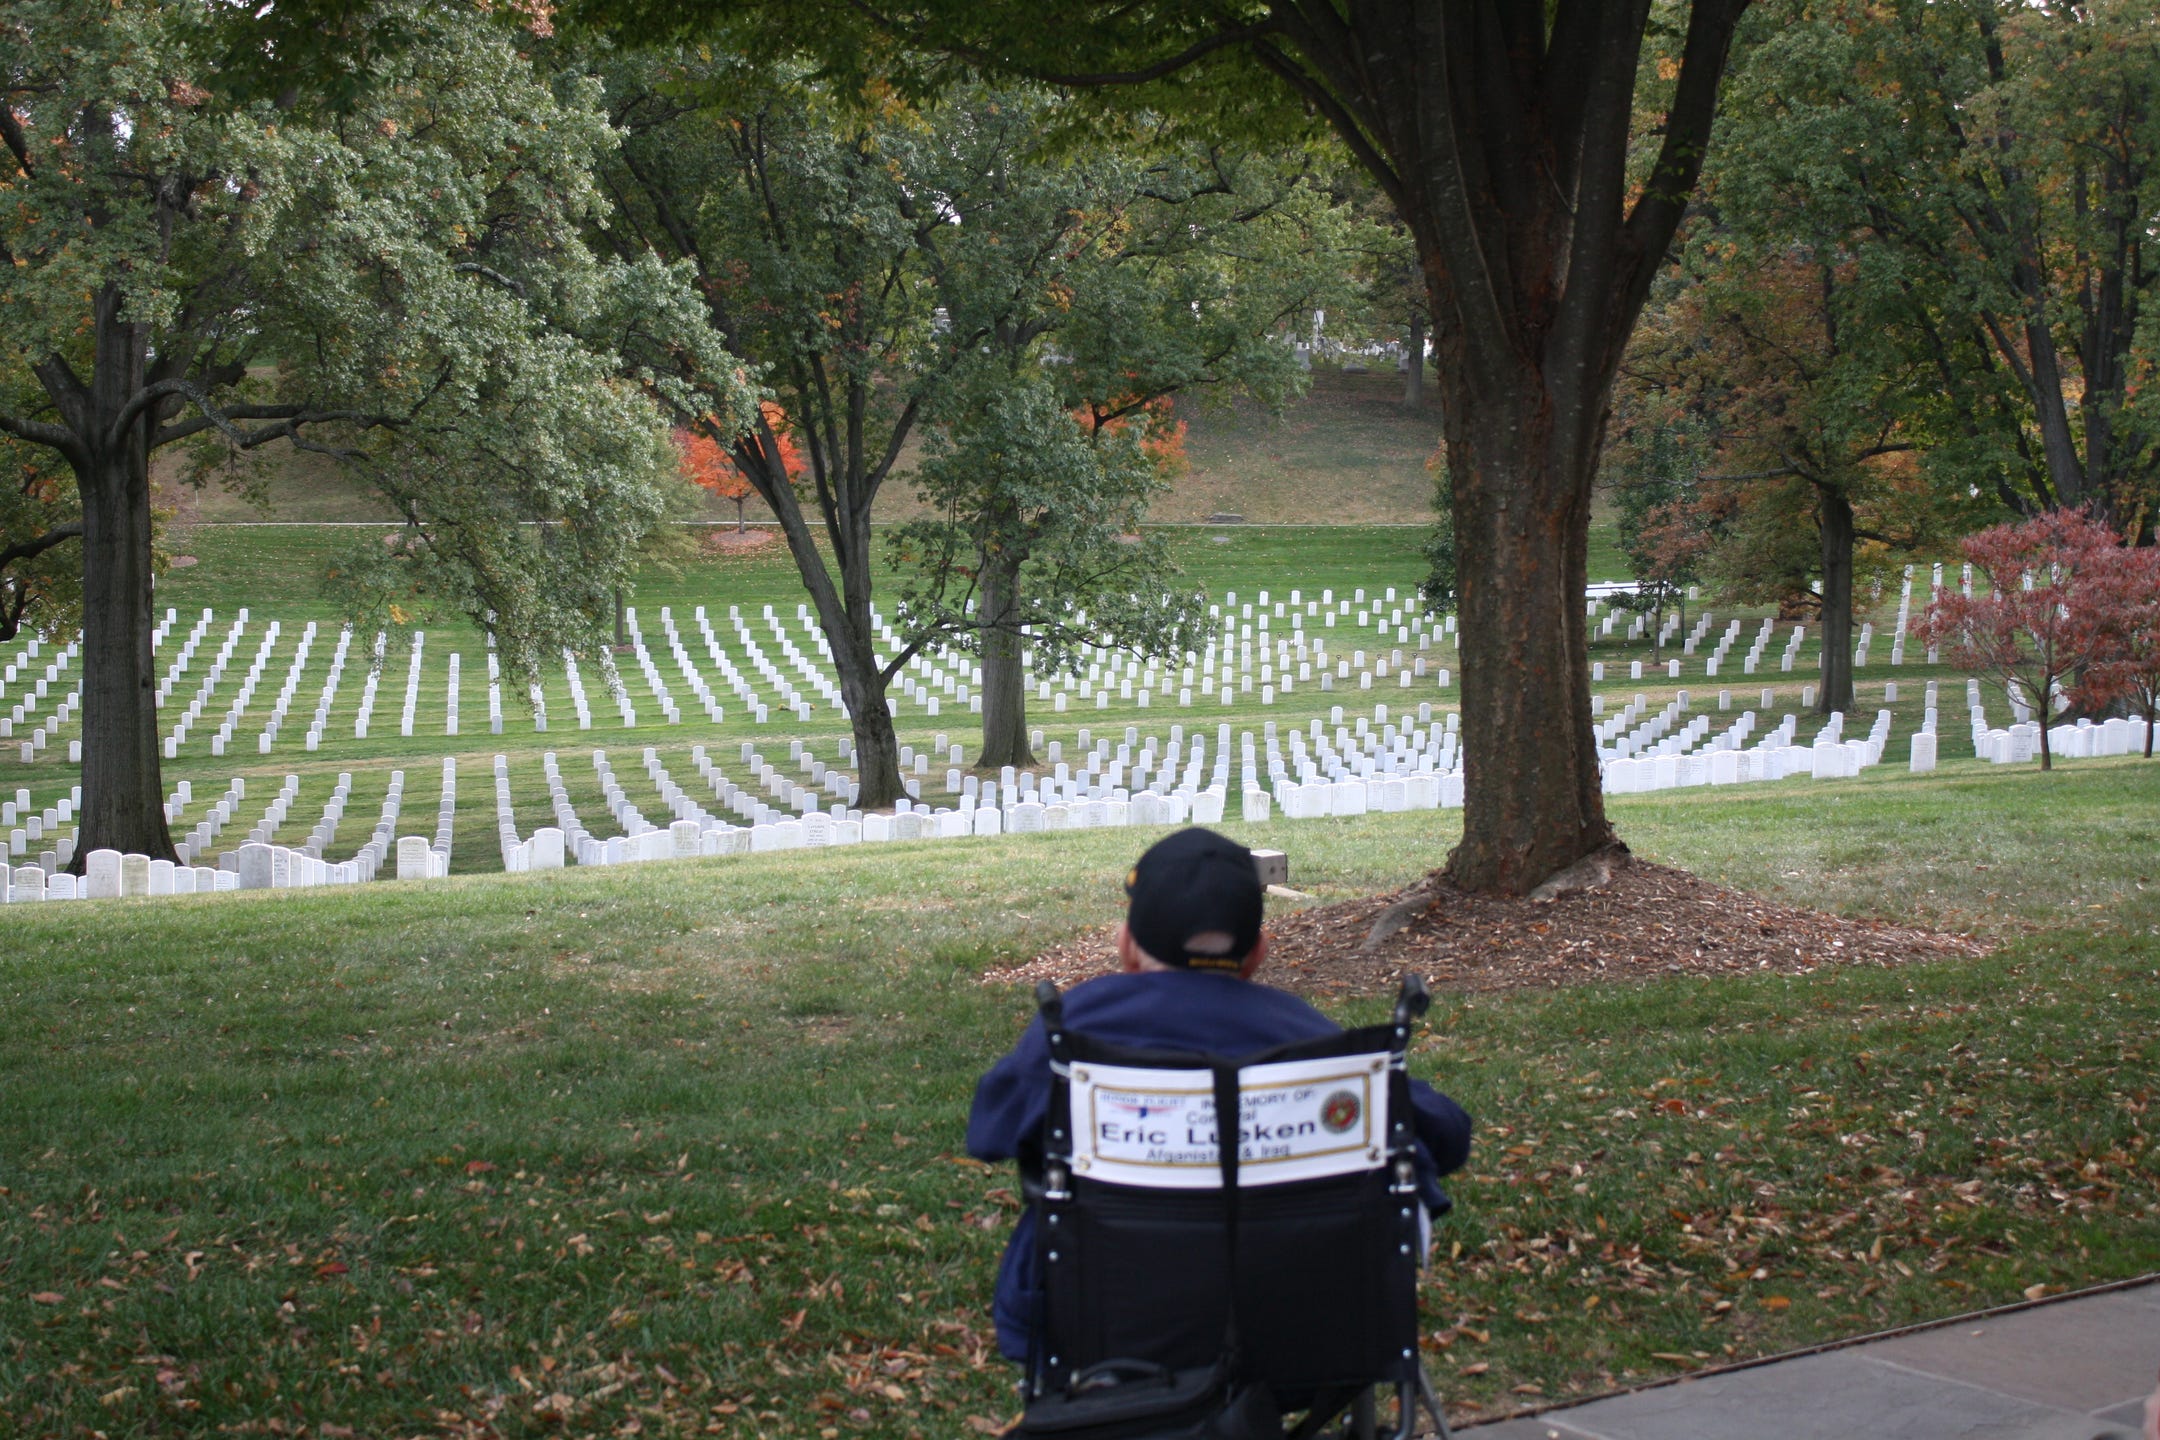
[1628, 919]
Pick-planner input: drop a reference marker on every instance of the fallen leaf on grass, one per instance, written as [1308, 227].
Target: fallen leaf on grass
[1479, 1368]
[48, 1297]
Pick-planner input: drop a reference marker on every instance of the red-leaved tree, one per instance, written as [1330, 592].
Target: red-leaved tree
[2132, 669]
[2054, 617]
[709, 465]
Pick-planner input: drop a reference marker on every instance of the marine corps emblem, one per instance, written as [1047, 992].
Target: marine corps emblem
[1340, 1111]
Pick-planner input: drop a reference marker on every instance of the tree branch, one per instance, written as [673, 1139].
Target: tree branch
[1650, 226]
[11, 133]
[39, 432]
[468, 267]
[31, 549]
[1078, 79]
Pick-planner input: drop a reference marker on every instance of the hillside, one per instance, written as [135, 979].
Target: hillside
[1346, 453]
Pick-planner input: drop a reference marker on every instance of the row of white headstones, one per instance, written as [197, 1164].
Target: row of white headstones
[1377, 766]
[1639, 626]
[927, 678]
[1326, 785]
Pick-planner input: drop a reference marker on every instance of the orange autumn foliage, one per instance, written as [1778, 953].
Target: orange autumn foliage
[1162, 438]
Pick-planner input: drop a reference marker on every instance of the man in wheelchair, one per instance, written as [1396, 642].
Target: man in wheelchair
[1140, 1221]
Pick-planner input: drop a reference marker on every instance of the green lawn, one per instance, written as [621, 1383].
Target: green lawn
[674, 1149]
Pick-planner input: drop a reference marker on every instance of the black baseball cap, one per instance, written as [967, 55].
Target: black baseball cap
[1193, 883]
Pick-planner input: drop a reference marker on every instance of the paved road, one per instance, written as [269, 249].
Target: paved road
[2078, 1368]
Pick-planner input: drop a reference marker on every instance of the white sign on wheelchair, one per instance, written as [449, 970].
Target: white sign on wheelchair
[1297, 1120]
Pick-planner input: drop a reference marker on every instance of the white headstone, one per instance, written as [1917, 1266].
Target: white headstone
[134, 875]
[101, 874]
[412, 857]
[547, 849]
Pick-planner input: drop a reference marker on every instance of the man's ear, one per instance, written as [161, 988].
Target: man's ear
[1128, 950]
[1252, 963]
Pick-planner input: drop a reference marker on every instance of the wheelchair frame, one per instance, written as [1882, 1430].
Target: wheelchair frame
[1062, 1200]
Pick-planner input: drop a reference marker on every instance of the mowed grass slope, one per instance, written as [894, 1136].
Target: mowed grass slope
[675, 1149]
[1345, 452]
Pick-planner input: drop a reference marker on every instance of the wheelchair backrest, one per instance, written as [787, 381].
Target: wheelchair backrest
[1132, 1225]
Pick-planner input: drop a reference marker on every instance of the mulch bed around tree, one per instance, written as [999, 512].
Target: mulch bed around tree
[1647, 921]
[722, 543]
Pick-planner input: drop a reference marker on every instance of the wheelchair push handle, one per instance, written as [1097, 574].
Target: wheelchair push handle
[1411, 1001]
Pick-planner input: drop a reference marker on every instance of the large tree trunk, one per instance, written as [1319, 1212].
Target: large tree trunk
[843, 611]
[1834, 527]
[123, 790]
[1535, 802]
[1413, 390]
[1004, 687]
[877, 748]
[862, 680]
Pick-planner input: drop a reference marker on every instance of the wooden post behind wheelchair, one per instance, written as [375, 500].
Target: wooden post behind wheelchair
[1392, 1184]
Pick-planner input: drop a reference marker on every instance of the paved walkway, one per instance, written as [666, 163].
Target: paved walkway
[2078, 1368]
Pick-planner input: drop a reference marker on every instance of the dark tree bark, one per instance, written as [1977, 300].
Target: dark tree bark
[870, 721]
[1502, 138]
[1413, 390]
[1004, 687]
[843, 612]
[123, 787]
[1834, 528]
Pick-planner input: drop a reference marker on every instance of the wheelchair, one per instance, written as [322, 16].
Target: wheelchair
[1292, 1257]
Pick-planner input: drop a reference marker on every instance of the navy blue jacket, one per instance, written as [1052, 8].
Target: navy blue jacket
[1164, 1010]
